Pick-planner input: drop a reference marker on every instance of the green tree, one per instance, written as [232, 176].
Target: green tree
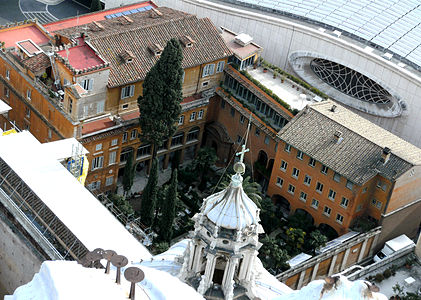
[149, 196]
[273, 257]
[206, 157]
[295, 240]
[317, 240]
[160, 247]
[96, 5]
[268, 217]
[168, 210]
[129, 172]
[251, 188]
[159, 106]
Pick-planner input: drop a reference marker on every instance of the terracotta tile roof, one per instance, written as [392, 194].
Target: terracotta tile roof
[147, 29]
[357, 156]
[97, 125]
[37, 63]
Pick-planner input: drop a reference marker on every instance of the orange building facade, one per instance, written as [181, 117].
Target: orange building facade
[81, 78]
[335, 167]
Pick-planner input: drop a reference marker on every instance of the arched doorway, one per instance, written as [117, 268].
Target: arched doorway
[283, 207]
[218, 274]
[328, 231]
[302, 219]
[262, 158]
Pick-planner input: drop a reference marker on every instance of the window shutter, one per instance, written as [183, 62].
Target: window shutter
[122, 93]
[90, 83]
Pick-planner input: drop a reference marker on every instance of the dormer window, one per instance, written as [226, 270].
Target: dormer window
[156, 49]
[127, 56]
[187, 41]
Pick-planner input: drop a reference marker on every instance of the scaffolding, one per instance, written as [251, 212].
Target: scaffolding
[27, 207]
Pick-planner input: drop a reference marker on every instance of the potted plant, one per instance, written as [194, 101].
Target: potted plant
[265, 70]
[282, 79]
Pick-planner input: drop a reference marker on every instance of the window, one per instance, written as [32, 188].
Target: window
[339, 218]
[284, 165]
[70, 105]
[257, 132]
[94, 185]
[303, 196]
[279, 181]
[222, 103]
[307, 180]
[111, 158]
[183, 76]
[300, 155]
[65, 82]
[319, 187]
[337, 177]
[200, 114]
[8, 74]
[359, 207]
[100, 107]
[97, 162]
[220, 66]
[315, 203]
[349, 185]
[324, 169]
[27, 126]
[208, 70]
[312, 162]
[144, 150]
[373, 202]
[193, 116]
[125, 137]
[28, 94]
[232, 111]
[379, 205]
[6, 92]
[205, 83]
[327, 210]
[109, 181]
[344, 202]
[242, 118]
[291, 189]
[27, 113]
[177, 139]
[239, 139]
[364, 190]
[87, 84]
[381, 185]
[125, 106]
[114, 142]
[193, 135]
[181, 120]
[133, 134]
[50, 133]
[287, 148]
[98, 147]
[267, 140]
[295, 172]
[127, 91]
[332, 194]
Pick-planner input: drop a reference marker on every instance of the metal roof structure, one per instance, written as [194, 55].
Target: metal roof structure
[391, 25]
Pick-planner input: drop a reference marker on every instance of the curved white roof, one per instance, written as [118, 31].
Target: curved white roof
[231, 208]
[391, 24]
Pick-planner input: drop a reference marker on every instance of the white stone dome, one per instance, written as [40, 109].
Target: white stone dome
[231, 208]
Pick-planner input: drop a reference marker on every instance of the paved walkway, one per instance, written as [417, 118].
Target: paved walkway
[285, 91]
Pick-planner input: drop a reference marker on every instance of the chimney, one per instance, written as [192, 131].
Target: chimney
[385, 155]
[337, 137]
[333, 108]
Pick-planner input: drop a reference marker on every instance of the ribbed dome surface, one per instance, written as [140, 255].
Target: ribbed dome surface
[231, 208]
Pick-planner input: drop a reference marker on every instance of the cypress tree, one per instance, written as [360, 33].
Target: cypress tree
[129, 173]
[168, 210]
[149, 195]
[159, 106]
[96, 5]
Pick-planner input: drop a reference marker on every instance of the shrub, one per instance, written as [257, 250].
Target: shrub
[379, 277]
[387, 273]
